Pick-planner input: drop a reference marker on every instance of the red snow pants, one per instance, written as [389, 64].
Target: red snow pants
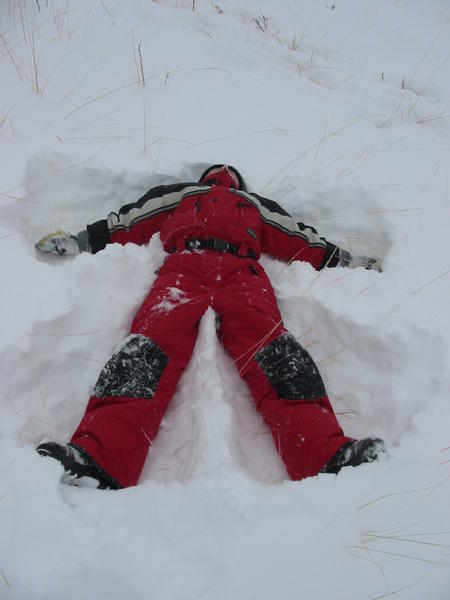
[136, 385]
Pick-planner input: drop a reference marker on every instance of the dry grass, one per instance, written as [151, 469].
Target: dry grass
[5, 579]
[139, 72]
[14, 60]
[96, 119]
[76, 334]
[100, 97]
[29, 38]
[234, 136]
[398, 590]
[314, 146]
[417, 549]
[3, 117]
[140, 64]
[97, 64]
[407, 84]
[410, 538]
[428, 490]
[26, 51]
[141, 80]
[262, 22]
[105, 8]
[35, 378]
[320, 145]
[420, 289]
[429, 119]
[370, 537]
[293, 45]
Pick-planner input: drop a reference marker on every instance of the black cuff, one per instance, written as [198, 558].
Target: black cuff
[331, 256]
[98, 235]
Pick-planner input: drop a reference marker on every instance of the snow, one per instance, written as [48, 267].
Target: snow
[339, 111]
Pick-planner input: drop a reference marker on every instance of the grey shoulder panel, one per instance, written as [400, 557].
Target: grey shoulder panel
[274, 215]
[160, 199]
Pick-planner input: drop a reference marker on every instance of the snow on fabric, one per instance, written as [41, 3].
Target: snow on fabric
[134, 369]
[290, 370]
[175, 297]
[340, 112]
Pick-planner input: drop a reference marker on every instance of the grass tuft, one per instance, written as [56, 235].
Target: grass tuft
[262, 22]
[5, 579]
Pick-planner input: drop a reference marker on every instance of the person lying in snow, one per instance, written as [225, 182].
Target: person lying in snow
[214, 232]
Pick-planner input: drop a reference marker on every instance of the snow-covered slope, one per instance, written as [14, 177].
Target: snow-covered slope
[340, 111]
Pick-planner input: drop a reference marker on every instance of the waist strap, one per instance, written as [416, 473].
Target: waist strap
[217, 245]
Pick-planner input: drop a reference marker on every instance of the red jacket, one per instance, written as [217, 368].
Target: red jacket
[187, 211]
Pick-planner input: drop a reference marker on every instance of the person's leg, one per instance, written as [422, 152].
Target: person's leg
[285, 383]
[135, 386]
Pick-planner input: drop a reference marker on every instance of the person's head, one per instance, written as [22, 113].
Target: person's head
[224, 175]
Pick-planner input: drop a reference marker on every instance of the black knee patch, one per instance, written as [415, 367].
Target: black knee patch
[290, 369]
[134, 370]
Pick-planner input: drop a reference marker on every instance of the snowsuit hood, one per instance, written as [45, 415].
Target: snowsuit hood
[223, 175]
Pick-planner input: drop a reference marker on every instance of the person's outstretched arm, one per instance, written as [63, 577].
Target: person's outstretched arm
[289, 240]
[135, 223]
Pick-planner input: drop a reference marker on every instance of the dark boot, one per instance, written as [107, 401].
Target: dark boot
[79, 468]
[355, 453]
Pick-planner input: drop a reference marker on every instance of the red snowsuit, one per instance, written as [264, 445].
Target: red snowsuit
[214, 236]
